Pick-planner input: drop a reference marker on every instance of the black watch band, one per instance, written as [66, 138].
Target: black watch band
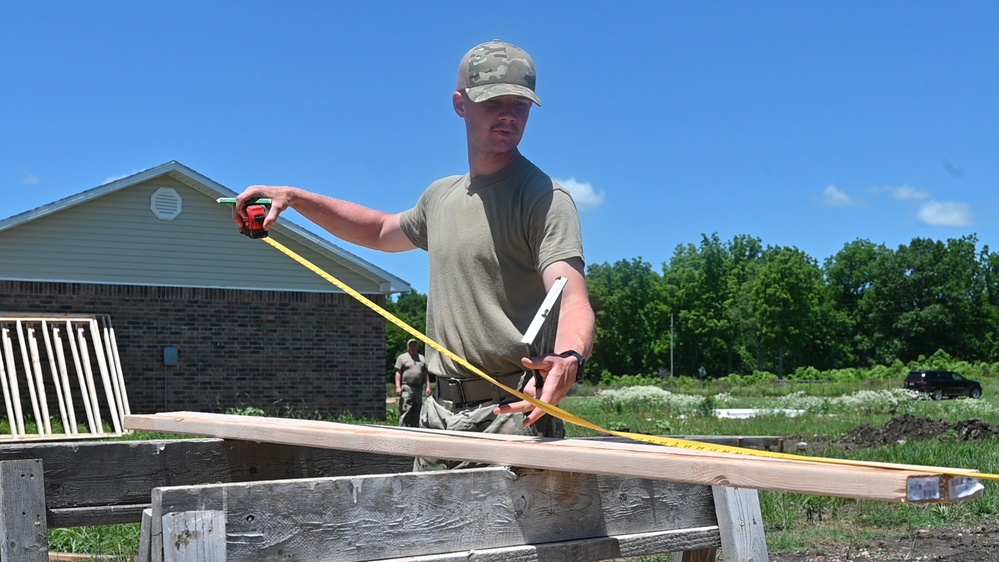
[579, 358]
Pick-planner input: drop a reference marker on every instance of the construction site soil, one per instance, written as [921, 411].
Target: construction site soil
[966, 543]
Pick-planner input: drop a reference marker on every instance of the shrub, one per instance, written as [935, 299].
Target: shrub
[763, 376]
[246, 411]
[610, 381]
[806, 374]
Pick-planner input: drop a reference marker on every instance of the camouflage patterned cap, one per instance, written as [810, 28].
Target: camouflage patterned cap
[497, 69]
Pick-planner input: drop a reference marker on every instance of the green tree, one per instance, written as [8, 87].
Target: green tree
[849, 275]
[697, 291]
[744, 351]
[990, 282]
[929, 295]
[623, 297]
[831, 337]
[785, 297]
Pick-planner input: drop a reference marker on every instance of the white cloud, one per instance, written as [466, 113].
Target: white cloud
[583, 194]
[30, 179]
[836, 197]
[110, 179]
[908, 193]
[936, 213]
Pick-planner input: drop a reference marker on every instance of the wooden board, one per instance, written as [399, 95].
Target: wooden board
[194, 536]
[103, 483]
[740, 521]
[591, 550]
[373, 517]
[22, 512]
[570, 455]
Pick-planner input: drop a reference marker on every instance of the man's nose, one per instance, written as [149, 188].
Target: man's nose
[507, 112]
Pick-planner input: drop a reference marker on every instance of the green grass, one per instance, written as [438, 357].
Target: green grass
[119, 541]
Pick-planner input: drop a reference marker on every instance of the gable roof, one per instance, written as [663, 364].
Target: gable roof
[114, 234]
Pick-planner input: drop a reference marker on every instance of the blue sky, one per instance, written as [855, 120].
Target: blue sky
[806, 124]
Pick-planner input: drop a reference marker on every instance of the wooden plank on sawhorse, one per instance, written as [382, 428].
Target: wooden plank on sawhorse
[490, 514]
[881, 482]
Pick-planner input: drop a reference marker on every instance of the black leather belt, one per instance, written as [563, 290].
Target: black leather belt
[466, 392]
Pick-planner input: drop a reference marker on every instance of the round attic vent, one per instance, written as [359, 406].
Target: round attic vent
[166, 203]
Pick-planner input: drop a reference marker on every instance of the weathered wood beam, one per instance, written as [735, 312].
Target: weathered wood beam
[570, 455]
[194, 536]
[107, 482]
[22, 512]
[591, 550]
[355, 518]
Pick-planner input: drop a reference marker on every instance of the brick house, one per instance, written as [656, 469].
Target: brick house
[251, 327]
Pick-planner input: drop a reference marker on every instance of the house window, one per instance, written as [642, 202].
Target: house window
[166, 203]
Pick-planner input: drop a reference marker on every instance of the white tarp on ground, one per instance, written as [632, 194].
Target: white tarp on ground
[743, 413]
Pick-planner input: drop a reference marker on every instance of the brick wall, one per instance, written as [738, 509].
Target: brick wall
[308, 352]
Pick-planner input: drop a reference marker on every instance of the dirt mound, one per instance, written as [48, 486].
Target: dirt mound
[909, 427]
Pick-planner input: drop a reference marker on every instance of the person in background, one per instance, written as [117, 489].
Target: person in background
[412, 379]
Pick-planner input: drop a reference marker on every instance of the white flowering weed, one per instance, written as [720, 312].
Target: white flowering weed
[646, 399]
[801, 401]
[966, 407]
[894, 401]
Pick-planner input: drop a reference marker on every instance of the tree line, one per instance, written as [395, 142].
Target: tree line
[737, 306]
[740, 307]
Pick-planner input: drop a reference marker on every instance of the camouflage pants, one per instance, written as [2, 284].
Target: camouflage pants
[410, 402]
[479, 419]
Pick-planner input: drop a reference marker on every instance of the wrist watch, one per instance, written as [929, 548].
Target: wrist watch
[579, 357]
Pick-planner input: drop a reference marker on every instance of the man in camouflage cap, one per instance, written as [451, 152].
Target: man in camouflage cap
[497, 237]
[497, 69]
[411, 381]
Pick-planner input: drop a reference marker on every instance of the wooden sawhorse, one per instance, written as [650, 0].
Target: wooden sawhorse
[287, 502]
[492, 514]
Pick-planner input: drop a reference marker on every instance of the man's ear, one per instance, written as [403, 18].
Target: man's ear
[458, 101]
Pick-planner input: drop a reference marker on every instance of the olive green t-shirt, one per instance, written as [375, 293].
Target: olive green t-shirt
[489, 239]
[412, 370]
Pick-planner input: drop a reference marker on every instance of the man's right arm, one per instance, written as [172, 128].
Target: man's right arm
[347, 221]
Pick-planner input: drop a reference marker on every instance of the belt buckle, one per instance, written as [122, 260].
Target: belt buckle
[456, 391]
